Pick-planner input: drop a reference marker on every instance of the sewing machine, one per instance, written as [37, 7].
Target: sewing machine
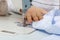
[11, 26]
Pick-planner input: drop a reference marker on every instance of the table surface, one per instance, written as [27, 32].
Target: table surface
[10, 31]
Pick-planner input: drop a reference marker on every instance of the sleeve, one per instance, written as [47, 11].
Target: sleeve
[42, 4]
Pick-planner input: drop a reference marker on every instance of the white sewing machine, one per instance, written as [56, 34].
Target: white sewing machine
[11, 29]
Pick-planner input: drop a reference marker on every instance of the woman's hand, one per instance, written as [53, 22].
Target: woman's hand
[34, 14]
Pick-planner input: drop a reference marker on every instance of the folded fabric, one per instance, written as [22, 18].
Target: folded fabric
[52, 37]
[50, 23]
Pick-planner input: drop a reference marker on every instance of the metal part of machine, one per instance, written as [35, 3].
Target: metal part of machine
[26, 4]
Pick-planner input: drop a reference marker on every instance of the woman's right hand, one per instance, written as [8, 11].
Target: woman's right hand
[34, 14]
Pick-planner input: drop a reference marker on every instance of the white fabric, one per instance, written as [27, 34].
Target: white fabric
[52, 37]
[50, 22]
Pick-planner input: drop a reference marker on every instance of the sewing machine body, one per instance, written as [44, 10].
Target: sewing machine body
[22, 4]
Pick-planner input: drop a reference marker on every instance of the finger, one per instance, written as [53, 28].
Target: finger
[34, 16]
[43, 11]
[29, 19]
[39, 15]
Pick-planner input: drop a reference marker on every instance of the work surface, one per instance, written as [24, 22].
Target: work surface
[10, 30]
